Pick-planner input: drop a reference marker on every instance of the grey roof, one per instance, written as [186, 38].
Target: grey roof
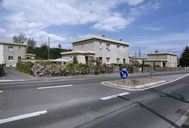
[11, 43]
[100, 38]
[162, 53]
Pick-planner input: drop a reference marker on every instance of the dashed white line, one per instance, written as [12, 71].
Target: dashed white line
[20, 117]
[113, 96]
[59, 86]
[1, 91]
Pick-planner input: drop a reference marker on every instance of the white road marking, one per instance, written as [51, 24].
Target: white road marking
[113, 96]
[20, 117]
[1, 91]
[59, 86]
[19, 80]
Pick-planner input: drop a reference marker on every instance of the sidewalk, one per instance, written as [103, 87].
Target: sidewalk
[11, 74]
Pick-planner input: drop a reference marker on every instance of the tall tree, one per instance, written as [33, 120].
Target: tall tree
[31, 44]
[184, 59]
[59, 45]
[19, 39]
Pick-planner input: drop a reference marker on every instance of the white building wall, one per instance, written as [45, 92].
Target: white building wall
[101, 50]
[1, 54]
[172, 61]
[87, 46]
[81, 59]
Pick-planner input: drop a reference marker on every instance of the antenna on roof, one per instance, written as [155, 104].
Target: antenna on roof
[103, 35]
[120, 39]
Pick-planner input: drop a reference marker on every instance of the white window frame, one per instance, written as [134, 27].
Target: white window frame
[108, 60]
[118, 48]
[118, 60]
[108, 47]
[100, 45]
[10, 48]
[12, 58]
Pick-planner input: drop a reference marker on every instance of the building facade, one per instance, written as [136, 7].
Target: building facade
[161, 59]
[11, 53]
[107, 51]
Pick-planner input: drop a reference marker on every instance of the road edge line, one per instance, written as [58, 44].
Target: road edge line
[24, 116]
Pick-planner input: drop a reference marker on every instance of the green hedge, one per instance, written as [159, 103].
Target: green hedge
[24, 67]
[127, 66]
[2, 70]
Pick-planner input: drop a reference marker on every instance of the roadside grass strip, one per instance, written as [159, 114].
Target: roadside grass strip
[24, 116]
[51, 87]
[114, 96]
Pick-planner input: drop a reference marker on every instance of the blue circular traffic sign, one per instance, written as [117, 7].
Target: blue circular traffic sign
[124, 74]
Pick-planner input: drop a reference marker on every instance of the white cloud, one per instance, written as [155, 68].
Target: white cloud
[112, 23]
[2, 32]
[33, 18]
[153, 28]
[40, 13]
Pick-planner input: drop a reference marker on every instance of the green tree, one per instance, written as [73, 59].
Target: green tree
[184, 59]
[59, 45]
[19, 39]
[31, 44]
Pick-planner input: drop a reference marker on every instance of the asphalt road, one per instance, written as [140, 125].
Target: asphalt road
[85, 103]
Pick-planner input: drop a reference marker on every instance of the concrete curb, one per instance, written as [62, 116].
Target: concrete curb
[145, 86]
[181, 120]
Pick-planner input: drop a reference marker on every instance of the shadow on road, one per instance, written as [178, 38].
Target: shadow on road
[175, 96]
[152, 111]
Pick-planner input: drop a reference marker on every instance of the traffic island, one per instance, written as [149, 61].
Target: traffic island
[139, 84]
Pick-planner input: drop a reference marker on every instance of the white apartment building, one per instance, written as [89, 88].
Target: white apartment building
[11, 53]
[161, 59]
[106, 50]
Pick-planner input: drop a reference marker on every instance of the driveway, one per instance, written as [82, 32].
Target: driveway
[13, 74]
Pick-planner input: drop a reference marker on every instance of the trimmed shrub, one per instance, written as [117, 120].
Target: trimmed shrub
[24, 67]
[127, 66]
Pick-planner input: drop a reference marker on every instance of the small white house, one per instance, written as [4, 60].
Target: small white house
[161, 59]
[80, 56]
[11, 53]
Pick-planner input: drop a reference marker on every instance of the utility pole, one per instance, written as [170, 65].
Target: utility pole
[139, 53]
[49, 48]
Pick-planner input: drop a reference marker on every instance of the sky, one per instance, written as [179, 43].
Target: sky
[147, 25]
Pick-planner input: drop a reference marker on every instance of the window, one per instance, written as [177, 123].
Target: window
[123, 60]
[10, 58]
[107, 60]
[108, 47]
[19, 58]
[10, 48]
[118, 60]
[118, 48]
[100, 45]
